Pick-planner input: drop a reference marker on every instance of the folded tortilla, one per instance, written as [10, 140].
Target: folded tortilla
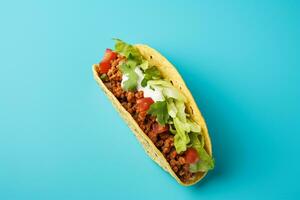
[169, 72]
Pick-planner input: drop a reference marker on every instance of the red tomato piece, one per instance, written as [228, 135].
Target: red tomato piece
[144, 104]
[191, 155]
[104, 65]
[157, 128]
[109, 55]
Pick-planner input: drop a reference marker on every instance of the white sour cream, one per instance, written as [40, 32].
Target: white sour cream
[124, 78]
[154, 94]
[140, 75]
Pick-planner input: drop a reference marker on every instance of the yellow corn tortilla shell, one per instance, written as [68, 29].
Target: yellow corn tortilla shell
[169, 72]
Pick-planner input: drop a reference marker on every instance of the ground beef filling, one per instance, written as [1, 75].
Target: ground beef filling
[163, 141]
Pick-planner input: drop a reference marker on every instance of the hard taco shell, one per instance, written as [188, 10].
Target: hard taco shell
[169, 72]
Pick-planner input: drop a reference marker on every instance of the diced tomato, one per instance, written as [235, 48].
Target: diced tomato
[144, 104]
[104, 65]
[109, 55]
[157, 128]
[191, 155]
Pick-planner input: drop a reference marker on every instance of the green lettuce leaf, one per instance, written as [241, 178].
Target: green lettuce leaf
[172, 129]
[151, 73]
[127, 69]
[179, 143]
[144, 66]
[183, 126]
[206, 162]
[172, 110]
[159, 109]
[194, 127]
[163, 83]
[180, 110]
[172, 92]
[128, 50]
[181, 138]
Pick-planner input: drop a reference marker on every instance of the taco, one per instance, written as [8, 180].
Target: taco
[153, 99]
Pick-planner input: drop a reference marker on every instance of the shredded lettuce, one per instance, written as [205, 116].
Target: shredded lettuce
[168, 90]
[172, 130]
[162, 83]
[181, 138]
[194, 127]
[181, 110]
[172, 110]
[206, 162]
[151, 73]
[145, 65]
[179, 143]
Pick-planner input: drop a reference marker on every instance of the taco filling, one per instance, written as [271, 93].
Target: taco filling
[158, 108]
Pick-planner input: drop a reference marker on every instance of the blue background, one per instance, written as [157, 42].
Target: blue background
[61, 138]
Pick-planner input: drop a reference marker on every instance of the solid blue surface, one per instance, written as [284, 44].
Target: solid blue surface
[60, 137]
